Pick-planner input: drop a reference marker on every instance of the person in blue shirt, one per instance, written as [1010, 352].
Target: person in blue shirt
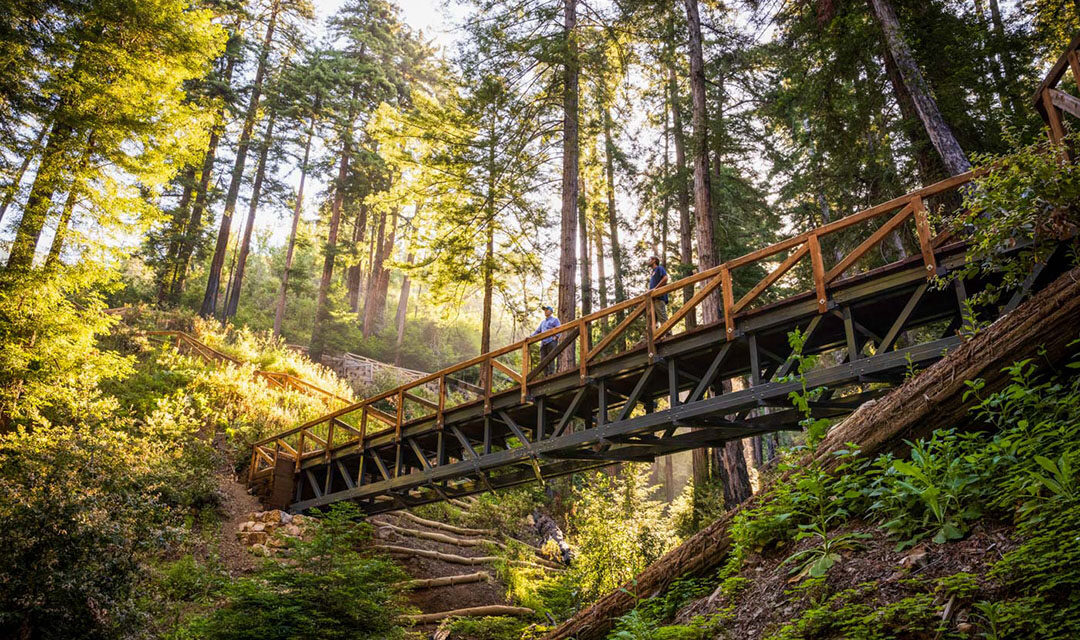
[658, 278]
[547, 345]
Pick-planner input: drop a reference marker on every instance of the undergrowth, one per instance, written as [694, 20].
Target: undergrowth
[1015, 461]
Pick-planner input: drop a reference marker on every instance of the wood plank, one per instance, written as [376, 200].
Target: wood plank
[728, 297]
[922, 227]
[766, 282]
[616, 332]
[818, 267]
[419, 400]
[514, 375]
[874, 239]
[689, 305]
[1067, 103]
[1053, 118]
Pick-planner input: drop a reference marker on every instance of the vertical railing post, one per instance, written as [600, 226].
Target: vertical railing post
[1053, 117]
[728, 297]
[487, 372]
[525, 364]
[583, 348]
[399, 418]
[329, 441]
[650, 321]
[300, 450]
[442, 401]
[819, 272]
[922, 227]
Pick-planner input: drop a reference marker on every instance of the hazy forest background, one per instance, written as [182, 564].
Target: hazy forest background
[328, 176]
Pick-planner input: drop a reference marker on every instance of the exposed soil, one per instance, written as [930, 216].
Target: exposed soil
[440, 598]
[770, 600]
[236, 507]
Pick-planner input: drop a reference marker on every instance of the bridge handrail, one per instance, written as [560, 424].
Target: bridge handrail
[906, 207]
[1051, 102]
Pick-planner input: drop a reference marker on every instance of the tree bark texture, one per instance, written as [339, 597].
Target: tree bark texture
[941, 135]
[702, 187]
[568, 219]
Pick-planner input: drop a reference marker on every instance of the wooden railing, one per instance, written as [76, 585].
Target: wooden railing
[185, 342]
[1051, 102]
[627, 325]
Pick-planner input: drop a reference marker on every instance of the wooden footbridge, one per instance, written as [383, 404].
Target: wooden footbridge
[632, 389]
[627, 388]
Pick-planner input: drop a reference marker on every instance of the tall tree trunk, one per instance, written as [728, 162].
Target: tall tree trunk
[375, 305]
[193, 229]
[665, 207]
[402, 311]
[489, 247]
[213, 282]
[13, 189]
[735, 476]
[375, 251]
[929, 164]
[585, 268]
[568, 236]
[69, 205]
[177, 228]
[612, 214]
[601, 276]
[941, 135]
[489, 289]
[233, 301]
[279, 313]
[355, 272]
[322, 310]
[47, 180]
[682, 189]
[707, 258]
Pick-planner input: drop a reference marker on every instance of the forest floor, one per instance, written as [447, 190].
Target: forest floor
[490, 593]
[876, 575]
[236, 507]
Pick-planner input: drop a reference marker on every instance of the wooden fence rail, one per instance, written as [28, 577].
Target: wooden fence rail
[185, 342]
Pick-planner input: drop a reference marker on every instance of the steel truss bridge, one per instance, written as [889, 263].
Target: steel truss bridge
[626, 388]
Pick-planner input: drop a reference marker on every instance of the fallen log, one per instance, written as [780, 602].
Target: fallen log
[448, 539]
[456, 559]
[931, 400]
[435, 524]
[489, 610]
[446, 581]
[460, 504]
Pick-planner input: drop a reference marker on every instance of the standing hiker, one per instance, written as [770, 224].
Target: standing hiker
[547, 345]
[658, 278]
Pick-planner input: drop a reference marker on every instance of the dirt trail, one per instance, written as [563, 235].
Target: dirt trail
[236, 507]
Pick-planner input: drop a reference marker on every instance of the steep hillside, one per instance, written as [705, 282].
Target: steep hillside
[848, 495]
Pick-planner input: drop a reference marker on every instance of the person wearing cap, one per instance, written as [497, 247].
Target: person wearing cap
[547, 345]
[658, 278]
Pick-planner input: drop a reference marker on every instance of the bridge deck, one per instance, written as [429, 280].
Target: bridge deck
[632, 389]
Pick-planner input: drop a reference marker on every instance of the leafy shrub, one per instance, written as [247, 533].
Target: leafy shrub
[327, 589]
[618, 529]
[1027, 197]
[937, 493]
[488, 628]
